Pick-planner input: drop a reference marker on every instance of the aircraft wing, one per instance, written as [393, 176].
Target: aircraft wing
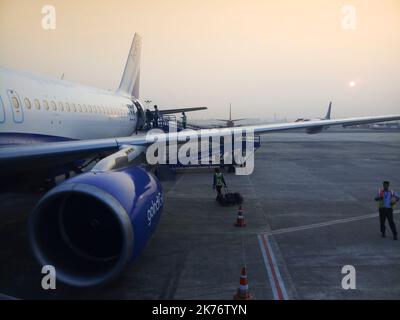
[29, 156]
[179, 110]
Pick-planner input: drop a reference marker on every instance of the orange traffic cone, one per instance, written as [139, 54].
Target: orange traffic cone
[240, 218]
[243, 291]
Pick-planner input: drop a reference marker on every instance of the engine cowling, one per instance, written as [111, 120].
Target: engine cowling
[91, 226]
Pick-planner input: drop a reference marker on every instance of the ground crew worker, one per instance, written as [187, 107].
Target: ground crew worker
[218, 182]
[183, 120]
[156, 114]
[149, 118]
[386, 201]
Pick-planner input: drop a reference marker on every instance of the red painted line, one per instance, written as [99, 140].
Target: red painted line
[277, 286]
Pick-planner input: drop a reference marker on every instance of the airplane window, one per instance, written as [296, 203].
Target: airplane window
[79, 108]
[53, 105]
[27, 103]
[84, 108]
[15, 103]
[61, 106]
[46, 104]
[37, 104]
[67, 107]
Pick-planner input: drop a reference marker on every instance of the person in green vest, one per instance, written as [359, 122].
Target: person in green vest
[183, 120]
[219, 181]
[386, 201]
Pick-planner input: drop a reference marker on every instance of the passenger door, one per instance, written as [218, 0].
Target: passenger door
[131, 112]
[16, 106]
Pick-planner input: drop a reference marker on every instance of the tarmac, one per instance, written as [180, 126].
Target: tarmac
[309, 212]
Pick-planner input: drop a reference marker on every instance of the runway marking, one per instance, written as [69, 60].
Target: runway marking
[274, 275]
[322, 224]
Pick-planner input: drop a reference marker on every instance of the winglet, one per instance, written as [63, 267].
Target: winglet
[328, 114]
[131, 77]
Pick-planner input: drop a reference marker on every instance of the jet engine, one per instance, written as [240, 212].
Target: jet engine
[91, 226]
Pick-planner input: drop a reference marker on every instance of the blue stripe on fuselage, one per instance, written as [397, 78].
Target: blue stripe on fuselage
[12, 138]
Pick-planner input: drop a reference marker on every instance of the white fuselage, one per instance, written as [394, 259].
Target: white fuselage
[39, 109]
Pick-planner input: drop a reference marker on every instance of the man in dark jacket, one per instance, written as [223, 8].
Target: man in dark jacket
[386, 201]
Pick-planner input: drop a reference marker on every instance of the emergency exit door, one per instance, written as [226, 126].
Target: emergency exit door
[16, 106]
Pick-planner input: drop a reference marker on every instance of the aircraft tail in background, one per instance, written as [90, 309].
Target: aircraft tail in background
[328, 114]
[130, 81]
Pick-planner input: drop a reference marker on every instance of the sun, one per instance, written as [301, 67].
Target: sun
[352, 84]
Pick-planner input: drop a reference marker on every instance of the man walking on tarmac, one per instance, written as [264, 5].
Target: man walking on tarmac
[386, 201]
[218, 182]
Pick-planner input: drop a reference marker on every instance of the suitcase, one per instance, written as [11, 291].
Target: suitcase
[230, 198]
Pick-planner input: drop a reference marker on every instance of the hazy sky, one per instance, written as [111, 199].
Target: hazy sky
[284, 57]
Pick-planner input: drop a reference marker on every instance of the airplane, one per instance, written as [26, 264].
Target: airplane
[320, 128]
[91, 226]
[230, 122]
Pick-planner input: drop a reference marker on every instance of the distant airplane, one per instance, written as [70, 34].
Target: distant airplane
[92, 225]
[319, 128]
[230, 122]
